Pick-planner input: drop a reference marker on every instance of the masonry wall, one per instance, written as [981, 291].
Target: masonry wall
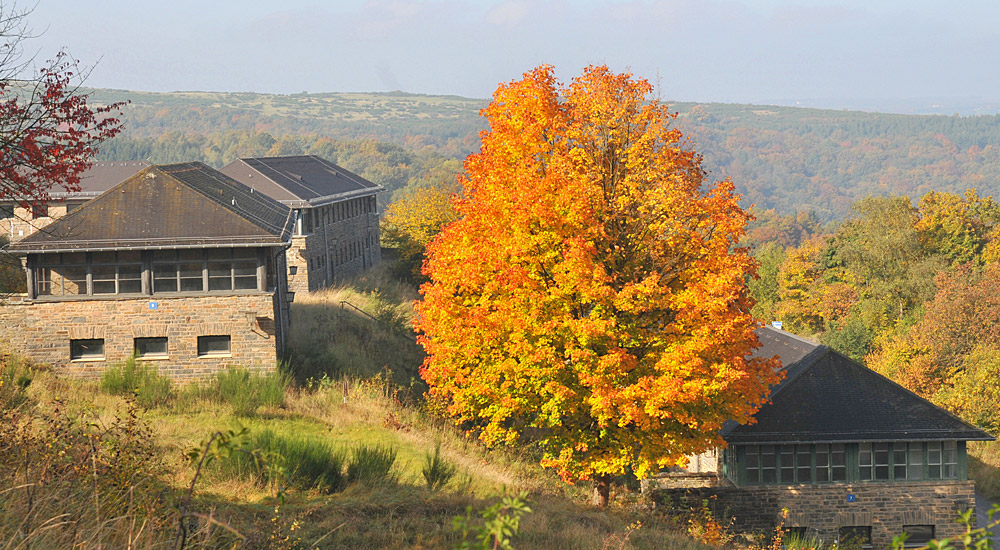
[43, 330]
[344, 241]
[823, 509]
[22, 223]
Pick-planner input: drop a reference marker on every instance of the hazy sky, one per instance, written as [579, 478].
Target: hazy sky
[698, 50]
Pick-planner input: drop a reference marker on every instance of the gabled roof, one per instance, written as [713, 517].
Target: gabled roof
[299, 181]
[174, 206]
[103, 175]
[827, 397]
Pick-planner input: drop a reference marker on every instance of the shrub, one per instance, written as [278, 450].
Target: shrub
[136, 377]
[245, 390]
[371, 465]
[305, 462]
[15, 377]
[437, 471]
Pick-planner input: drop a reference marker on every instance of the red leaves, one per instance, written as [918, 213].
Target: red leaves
[48, 133]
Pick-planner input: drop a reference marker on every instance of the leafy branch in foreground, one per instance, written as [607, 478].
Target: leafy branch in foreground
[501, 523]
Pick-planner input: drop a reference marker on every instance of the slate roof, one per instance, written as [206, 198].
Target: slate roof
[102, 176]
[827, 397]
[299, 181]
[174, 206]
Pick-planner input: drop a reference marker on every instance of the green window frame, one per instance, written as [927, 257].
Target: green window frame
[877, 462]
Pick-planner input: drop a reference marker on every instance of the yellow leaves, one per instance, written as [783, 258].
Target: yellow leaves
[590, 288]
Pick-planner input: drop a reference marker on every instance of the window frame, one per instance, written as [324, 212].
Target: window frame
[203, 343]
[79, 352]
[137, 350]
[886, 462]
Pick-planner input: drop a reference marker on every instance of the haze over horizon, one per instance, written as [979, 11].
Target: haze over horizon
[892, 56]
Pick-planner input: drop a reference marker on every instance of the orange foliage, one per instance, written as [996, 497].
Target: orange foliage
[591, 291]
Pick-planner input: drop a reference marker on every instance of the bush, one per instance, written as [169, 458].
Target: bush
[437, 471]
[136, 377]
[305, 462]
[371, 465]
[15, 377]
[245, 390]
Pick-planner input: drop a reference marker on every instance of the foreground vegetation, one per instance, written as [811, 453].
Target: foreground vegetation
[345, 456]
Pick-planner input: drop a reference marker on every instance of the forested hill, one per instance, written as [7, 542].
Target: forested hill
[786, 158]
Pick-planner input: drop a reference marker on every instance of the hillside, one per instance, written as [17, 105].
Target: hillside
[107, 464]
[786, 158]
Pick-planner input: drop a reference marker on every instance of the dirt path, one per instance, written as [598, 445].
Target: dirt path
[983, 505]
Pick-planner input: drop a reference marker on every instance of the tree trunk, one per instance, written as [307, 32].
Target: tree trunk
[602, 491]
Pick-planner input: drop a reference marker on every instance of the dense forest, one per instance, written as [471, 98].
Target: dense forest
[783, 158]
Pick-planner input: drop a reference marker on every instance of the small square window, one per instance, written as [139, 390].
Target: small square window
[856, 536]
[151, 348]
[40, 210]
[86, 350]
[214, 346]
[919, 535]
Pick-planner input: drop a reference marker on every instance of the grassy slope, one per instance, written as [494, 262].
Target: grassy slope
[397, 515]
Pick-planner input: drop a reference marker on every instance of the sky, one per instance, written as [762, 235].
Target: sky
[832, 54]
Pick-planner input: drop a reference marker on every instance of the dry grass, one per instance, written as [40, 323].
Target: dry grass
[984, 467]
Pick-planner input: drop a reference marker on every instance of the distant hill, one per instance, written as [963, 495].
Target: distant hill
[786, 158]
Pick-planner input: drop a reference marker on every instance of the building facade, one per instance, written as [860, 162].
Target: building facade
[178, 265]
[336, 216]
[848, 454]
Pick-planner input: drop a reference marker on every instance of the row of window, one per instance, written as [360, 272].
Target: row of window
[171, 271]
[823, 462]
[341, 255]
[92, 349]
[314, 218]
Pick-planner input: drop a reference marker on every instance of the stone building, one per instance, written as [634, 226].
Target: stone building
[336, 216]
[848, 453]
[179, 264]
[17, 221]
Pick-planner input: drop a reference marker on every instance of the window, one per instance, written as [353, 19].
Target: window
[752, 464]
[189, 270]
[855, 536]
[7, 210]
[86, 350]
[831, 462]
[39, 211]
[919, 535]
[214, 346]
[949, 469]
[151, 348]
[768, 464]
[116, 272]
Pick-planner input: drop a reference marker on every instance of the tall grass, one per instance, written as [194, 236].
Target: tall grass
[330, 336]
[371, 465]
[243, 389]
[133, 376]
[16, 374]
[305, 463]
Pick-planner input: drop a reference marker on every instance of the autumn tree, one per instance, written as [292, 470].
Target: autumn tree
[591, 293]
[48, 131]
[414, 219]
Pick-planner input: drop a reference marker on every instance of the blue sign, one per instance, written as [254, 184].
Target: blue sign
[852, 498]
[777, 324]
[154, 305]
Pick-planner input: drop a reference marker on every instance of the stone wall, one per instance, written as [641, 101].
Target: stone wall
[43, 330]
[333, 251]
[824, 508]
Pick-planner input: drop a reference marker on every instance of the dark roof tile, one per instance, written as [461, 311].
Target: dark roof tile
[299, 181]
[177, 205]
[826, 396]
